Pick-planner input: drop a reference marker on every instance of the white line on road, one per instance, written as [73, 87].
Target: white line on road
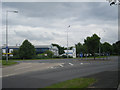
[52, 67]
[61, 65]
[71, 64]
[8, 75]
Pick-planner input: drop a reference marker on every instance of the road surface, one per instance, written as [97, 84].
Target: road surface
[63, 70]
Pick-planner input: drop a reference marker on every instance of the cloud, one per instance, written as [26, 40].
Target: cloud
[46, 23]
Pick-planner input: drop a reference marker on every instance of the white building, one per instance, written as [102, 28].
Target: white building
[71, 53]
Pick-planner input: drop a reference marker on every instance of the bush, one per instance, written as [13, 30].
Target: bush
[3, 57]
[65, 56]
[49, 54]
[57, 57]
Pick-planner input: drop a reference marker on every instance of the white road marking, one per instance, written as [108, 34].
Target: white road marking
[22, 68]
[52, 67]
[61, 65]
[71, 64]
[8, 75]
[81, 63]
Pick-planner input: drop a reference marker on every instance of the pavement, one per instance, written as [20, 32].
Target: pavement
[61, 70]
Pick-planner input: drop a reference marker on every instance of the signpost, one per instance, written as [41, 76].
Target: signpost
[81, 55]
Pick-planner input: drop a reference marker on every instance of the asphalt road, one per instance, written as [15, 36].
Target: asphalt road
[72, 68]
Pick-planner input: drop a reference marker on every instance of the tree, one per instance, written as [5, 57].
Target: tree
[26, 50]
[116, 48]
[49, 53]
[15, 53]
[71, 47]
[80, 48]
[61, 49]
[92, 44]
[106, 47]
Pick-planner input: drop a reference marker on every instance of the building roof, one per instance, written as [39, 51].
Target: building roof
[43, 46]
[37, 46]
[11, 46]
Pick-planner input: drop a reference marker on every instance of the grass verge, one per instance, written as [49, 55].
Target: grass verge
[74, 83]
[55, 58]
[8, 63]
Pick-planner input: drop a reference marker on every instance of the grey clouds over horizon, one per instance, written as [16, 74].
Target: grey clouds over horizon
[46, 23]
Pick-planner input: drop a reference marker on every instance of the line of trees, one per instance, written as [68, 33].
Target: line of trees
[91, 47]
[92, 44]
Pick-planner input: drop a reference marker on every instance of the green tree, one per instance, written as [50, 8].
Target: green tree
[80, 48]
[71, 47]
[92, 44]
[61, 49]
[49, 53]
[116, 48]
[106, 48]
[15, 53]
[26, 50]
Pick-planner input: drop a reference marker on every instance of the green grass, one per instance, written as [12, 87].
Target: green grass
[74, 83]
[37, 59]
[8, 63]
[54, 58]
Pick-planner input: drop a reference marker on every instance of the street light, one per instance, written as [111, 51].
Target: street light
[7, 32]
[99, 45]
[114, 2]
[67, 40]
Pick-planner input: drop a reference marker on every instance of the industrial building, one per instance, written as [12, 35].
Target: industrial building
[39, 49]
[71, 53]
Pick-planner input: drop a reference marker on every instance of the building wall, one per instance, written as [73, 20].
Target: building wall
[41, 50]
[71, 53]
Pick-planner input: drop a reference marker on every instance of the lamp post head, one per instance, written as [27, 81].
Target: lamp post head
[15, 11]
[12, 11]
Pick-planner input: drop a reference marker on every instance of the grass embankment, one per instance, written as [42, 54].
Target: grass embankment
[74, 83]
[8, 63]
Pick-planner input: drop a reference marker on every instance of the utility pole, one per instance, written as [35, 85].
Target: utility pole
[99, 46]
[6, 36]
[7, 33]
[67, 40]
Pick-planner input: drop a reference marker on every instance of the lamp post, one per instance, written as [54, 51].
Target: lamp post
[99, 45]
[7, 32]
[67, 40]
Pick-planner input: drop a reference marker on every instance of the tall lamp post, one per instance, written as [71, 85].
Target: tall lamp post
[7, 32]
[67, 40]
[99, 46]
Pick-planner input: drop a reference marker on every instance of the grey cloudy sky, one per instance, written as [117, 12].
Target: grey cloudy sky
[46, 23]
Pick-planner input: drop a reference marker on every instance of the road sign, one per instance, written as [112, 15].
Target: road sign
[6, 47]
